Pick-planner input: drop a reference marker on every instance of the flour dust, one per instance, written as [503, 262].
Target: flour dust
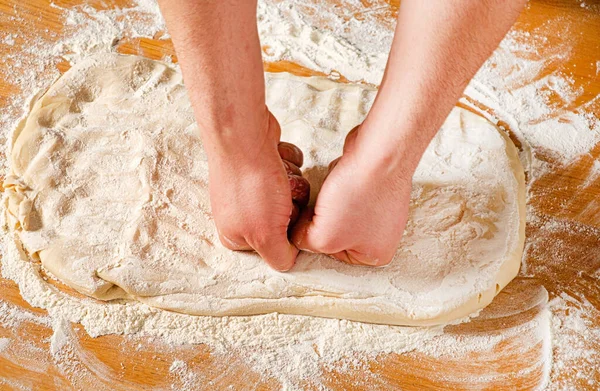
[347, 41]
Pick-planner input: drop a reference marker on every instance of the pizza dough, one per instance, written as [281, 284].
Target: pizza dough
[108, 190]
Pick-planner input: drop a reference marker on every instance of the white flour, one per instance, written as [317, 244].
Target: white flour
[529, 109]
[356, 46]
[577, 364]
[4, 342]
[142, 20]
[358, 50]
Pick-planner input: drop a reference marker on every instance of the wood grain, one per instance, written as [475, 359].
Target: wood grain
[562, 253]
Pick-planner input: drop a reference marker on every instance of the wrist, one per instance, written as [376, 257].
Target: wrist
[243, 142]
[395, 150]
[222, 115]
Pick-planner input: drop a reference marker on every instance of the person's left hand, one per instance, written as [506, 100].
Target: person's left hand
[362, 208]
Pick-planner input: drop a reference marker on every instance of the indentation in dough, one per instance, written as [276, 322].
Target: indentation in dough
[52, 110]
[81, 98]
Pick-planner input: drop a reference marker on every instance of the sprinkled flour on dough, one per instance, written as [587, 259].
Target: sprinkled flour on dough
[355, 46]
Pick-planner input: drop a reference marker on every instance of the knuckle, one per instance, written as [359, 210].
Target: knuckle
[291, 153]
[300, 189]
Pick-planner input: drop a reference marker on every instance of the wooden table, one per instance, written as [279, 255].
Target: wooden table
[565, 259]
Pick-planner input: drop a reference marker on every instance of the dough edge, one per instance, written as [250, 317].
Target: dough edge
[371, 310]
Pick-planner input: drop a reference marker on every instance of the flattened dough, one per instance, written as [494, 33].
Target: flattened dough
[108, 189]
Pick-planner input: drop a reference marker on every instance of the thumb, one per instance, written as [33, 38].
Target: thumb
[301, 231]
[351, 139]
[278, 252]
[304, 238]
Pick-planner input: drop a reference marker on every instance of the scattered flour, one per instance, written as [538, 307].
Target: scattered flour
[4, 342]
[289, 348]
[9, 40]
[344, 41]
[576, 345]
[13, 317]
[358, 48]
[189, 379]
[355, 47]
[105, 28]
[528, 109]
[178, 366]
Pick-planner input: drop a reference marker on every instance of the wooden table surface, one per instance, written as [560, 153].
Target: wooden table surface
[564, 259]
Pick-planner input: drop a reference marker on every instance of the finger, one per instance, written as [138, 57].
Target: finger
[291, 153]
[300, 188]
[299, 235]
[291, 168]
[278, 252]
[274, 126]
[235, 245]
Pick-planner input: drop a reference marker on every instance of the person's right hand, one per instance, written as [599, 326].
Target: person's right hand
[251, 194]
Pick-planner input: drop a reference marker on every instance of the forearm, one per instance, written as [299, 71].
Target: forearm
[438, 47]
[218, 48]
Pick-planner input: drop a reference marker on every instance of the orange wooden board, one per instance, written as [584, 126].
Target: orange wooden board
[562, 255]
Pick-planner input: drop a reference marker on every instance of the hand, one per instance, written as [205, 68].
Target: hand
[252, 198]
[361, 210]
